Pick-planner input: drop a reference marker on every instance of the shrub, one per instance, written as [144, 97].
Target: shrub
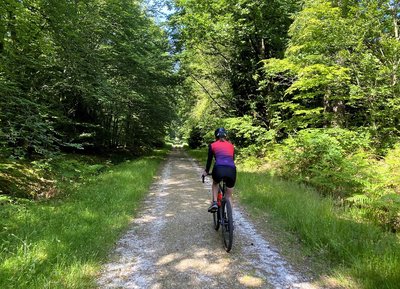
[334, 160]
[339, 162]
[392, 167]
[250, 139]
[381, 199]
[195, 138]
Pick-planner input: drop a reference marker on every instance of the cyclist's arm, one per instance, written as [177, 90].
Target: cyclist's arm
[209, 159]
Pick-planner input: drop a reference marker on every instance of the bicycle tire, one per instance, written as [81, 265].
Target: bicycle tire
[227, 225]
[216, 218]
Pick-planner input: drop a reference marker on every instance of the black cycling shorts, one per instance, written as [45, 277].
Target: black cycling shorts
[224, 172]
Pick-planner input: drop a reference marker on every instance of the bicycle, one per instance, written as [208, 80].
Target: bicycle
[223, 217]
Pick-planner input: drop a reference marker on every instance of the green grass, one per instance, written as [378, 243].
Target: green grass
[362, 252]
[199, 154]
[356, 255]
[62, 242]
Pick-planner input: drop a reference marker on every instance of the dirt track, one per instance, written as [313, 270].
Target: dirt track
[172, 243]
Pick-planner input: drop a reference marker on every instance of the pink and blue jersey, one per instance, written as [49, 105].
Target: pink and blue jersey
[224, 153]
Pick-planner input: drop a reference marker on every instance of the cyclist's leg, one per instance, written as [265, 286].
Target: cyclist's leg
[214, 191]
[216, 176]
[229, 193]
[230, 179]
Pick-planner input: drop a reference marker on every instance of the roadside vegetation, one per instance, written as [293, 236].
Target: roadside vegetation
[310, 95]
[60, 241]
[309, 92]
[358, 252]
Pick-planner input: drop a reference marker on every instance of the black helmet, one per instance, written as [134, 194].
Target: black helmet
[220, 133]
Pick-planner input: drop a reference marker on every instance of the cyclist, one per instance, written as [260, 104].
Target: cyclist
[224, 167]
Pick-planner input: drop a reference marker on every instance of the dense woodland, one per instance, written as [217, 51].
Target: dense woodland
[292, 65]
[309, 91]
[94, 75]
[309, 87]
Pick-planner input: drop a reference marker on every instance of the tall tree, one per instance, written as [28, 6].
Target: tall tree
[223, 43]
[91, 73]
[341, 68]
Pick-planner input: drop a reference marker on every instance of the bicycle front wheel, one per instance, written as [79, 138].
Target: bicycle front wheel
[227, 225]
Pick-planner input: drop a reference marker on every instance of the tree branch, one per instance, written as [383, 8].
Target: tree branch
[209, 94]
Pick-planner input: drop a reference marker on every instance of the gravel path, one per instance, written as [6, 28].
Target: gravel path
[172, 243]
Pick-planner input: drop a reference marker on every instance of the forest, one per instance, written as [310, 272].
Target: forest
[90, 75]
[308, 88]
[309, 91]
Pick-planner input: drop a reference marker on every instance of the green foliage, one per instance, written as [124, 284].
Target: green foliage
[39, 179]
[392, 168]
[332, 160]
[195, 138]
[352, 250]
[341, 163]
[108, 85]
[243, 132]
[62, 242]
[221, 45]
[339, 69]
[380, 202]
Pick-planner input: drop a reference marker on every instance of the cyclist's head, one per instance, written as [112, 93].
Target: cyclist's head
[220, 133]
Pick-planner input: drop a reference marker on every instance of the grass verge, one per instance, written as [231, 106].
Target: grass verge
[357, 255]
[62, 242]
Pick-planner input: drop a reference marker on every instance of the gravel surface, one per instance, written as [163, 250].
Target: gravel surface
[172, 243]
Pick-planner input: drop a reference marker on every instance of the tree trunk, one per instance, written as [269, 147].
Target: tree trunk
[395, 15]
[338, 113]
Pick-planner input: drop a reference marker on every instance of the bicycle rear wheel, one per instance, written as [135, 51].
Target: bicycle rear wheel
[216, 217]
[227, 225]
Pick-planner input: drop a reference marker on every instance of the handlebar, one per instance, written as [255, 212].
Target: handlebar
[203, 177]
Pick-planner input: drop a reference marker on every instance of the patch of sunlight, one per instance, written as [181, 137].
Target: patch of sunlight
[87, 214]
[338, 280]
[201, 253]
[41, 254]
[177, 182]
[78, 270]
[168, 258]
[250, 281]
[202, 265]
[146, 219]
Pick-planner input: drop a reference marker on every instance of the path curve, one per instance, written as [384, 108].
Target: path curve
[172, 243]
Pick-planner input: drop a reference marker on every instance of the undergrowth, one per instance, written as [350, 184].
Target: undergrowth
[61, 242]
[356, 249]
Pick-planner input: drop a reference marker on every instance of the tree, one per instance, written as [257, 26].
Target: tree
[340, 68]
[89, 74]
[222, 44]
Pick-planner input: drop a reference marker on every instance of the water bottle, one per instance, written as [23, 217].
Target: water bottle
[219, 198]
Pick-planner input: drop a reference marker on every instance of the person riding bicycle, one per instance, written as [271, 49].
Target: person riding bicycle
[224, 167]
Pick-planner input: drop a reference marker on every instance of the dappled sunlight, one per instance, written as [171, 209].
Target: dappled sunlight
[163, 194]
[174, 244]
[202, 265]
[147, 219]
[168, 258]
[250, 281]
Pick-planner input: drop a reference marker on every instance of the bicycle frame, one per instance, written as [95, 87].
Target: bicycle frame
[223, 216]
